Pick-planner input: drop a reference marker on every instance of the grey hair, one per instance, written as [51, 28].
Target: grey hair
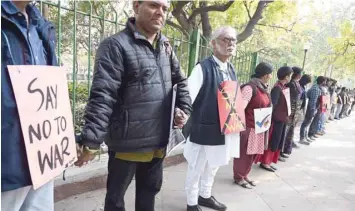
[221, 30]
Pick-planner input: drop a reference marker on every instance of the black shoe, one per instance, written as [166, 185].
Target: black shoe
[273, 167]
[284, 155]
[304, 142]
[294, 145]
[211, 203]
[193, 208]
[312, 138]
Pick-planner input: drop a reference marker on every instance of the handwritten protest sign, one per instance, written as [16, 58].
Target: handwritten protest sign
[42, 98]
[231, 116]
[262, 118]
[287, 95]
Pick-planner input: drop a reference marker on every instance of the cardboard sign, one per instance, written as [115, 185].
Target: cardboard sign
[176, 137]
[335, 99]
[43, 104]
[287, 95]
[231, 116]
[324, 103]
[262, 119]
[306, 106]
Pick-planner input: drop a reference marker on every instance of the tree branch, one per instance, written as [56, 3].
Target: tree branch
[279, 27]
[179, 6]
[180, 15]
[206, 25]
[247, 8]
[177, 26]
[253, 21]
[215, 7]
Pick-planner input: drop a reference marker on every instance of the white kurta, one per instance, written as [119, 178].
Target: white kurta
[216, 155]
[204, 161]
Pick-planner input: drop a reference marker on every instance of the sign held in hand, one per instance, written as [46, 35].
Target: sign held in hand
[287, 95]
[231, 116]
[43, 104]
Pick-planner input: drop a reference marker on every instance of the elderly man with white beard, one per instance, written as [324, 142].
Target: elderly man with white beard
[207, 148]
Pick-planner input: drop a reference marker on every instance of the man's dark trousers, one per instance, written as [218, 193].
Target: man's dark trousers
[148, 176]
[313, 129]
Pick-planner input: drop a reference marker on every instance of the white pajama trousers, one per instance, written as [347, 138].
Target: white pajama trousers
[200, 178]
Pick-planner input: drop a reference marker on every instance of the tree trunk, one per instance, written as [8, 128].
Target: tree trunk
[206, 25]
[45, 11]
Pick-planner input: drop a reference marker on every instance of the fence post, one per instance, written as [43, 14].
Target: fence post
[253, 63]
[194, 49]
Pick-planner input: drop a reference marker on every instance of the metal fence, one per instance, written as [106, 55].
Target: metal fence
[82, 25]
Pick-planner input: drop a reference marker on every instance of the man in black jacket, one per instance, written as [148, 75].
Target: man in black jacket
[130, 105]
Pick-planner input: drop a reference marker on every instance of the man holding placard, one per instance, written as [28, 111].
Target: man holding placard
[214, 137]
[26, 39]
[130, 105]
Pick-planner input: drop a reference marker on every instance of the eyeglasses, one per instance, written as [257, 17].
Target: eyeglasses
[227, 40]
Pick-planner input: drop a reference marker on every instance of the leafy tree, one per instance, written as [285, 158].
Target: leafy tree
[189, 15]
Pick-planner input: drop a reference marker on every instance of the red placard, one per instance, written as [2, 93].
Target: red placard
[231, 116]
[324, 103]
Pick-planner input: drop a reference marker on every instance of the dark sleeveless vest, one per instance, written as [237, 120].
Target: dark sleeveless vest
[205, 126]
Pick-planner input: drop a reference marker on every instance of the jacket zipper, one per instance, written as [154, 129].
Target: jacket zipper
[34, 62]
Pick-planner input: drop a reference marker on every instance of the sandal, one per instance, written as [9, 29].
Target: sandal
[251, 182]
[266, 168]
[244, 184]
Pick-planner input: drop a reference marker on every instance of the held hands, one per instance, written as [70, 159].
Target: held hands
[84, 155]
[180, 118]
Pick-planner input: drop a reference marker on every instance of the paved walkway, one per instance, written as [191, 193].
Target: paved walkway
[319, 177]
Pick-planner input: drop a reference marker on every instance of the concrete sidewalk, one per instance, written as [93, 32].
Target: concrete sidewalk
[318, 177]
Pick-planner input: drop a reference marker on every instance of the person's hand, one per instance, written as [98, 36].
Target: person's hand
[84, 155]
[180, 118]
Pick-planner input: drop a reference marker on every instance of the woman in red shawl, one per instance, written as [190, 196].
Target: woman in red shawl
[256, 95]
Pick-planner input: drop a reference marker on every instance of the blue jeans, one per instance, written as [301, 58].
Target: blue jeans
[28, 199]
[308, 119]
[321, 123]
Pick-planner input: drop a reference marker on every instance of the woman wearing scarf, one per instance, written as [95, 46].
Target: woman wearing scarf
[255, 93]
[279, 119]
[296, 104]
